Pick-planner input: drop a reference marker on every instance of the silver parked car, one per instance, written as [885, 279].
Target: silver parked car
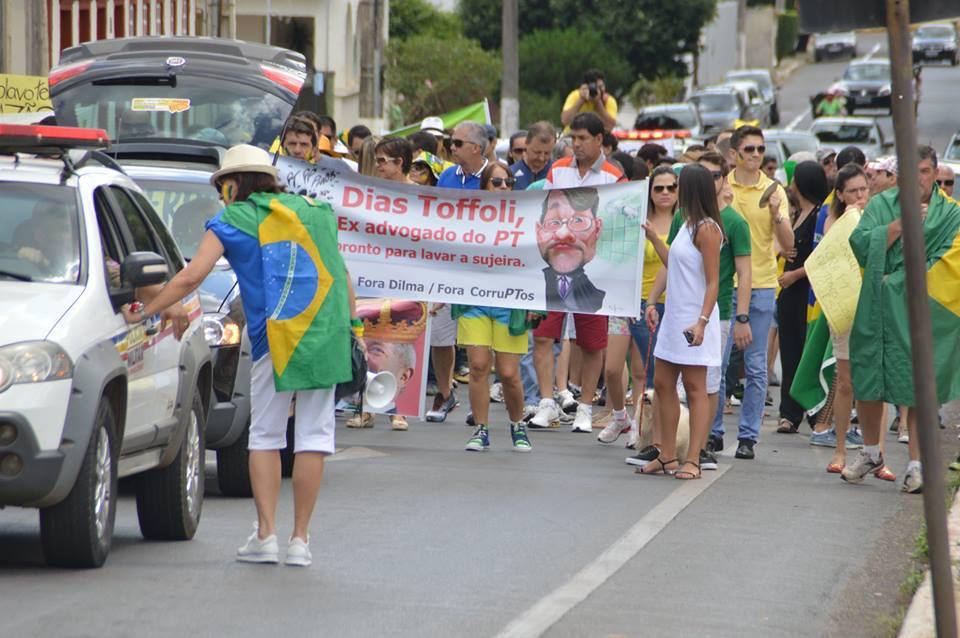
[768, 89]
[862, 132]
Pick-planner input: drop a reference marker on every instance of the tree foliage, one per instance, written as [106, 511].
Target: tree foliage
[650, 35]
[434, 75]
[418, 17]
[552, 64]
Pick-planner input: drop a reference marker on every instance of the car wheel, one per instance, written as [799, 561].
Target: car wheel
[774, 115]
[955, 59]
[233, 467]
[78, 531]
[817, 57]
[169, 500]
[286, 454]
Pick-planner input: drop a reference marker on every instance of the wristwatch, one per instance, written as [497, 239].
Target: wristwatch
[743, 318]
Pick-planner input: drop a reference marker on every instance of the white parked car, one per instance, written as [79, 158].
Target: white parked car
[85, 398]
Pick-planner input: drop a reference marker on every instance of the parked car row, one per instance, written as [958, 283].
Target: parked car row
[86, 399]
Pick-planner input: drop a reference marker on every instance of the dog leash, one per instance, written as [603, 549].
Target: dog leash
[646, 363]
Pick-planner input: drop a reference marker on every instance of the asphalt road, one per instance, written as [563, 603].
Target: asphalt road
[937, 119]
[415, 537]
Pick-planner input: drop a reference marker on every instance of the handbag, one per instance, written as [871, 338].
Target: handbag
[358, 383]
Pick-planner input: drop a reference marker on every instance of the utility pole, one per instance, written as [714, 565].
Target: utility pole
[510, 84]
[741, 34]
[921, 331]
[369, 27]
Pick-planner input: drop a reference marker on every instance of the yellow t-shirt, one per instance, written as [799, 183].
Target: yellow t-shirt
[610, 105]
[746, 201]
[651, 266]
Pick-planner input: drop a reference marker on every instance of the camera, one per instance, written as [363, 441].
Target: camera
[594, 91]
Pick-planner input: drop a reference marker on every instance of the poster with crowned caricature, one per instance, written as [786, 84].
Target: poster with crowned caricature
[396, 334]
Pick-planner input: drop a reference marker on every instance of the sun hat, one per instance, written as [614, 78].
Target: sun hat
[886, 163]
[824, 152]
[244, 158]
[432, 162]
[432, 125]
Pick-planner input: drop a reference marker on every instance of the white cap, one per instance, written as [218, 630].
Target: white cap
[244, 158]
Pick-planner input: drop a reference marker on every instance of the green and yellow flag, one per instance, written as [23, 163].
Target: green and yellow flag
[880, 350]
[305, 285]
[478, 112]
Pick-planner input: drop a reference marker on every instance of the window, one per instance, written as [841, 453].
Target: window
[142, 239]
[169, 246]
[39, 233]
[113, 254]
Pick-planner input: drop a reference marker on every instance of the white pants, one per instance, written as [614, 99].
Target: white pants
[714, 373]
[269, 410]
[443, 329]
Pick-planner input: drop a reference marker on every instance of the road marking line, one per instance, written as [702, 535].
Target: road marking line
[796, 121]
[873, 51]
[536, 620]
[355, 452]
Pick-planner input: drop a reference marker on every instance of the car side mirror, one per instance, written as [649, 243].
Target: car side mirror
[889, 144]
[143, 269]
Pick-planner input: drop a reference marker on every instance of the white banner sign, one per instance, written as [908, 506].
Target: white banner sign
[569, 250]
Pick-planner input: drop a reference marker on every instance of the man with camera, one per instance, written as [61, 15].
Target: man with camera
[591, 96]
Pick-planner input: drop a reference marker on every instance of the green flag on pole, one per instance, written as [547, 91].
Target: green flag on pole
[478, 112]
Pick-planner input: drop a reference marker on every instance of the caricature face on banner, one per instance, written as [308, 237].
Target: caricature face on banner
[575, 249]
[395, 333]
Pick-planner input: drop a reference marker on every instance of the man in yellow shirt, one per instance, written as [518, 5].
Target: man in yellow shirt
[766, 223]
[591, 96]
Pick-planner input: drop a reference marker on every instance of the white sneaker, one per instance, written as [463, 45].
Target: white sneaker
[529, 411]
[584, 420]
[259, 551]
[496, 392]
[614, 429]
[547, 416]
[633, 438]
[298, 552]
[567, 403]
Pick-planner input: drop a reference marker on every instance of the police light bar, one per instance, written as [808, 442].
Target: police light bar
[656, 134]
[38, 139]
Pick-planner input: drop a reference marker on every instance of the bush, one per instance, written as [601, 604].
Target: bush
[432, 75]
[409, 18]
[658, 91]
[535, 107]
[788, 27]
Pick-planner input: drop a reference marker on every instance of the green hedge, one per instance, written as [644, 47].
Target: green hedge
[788, 26]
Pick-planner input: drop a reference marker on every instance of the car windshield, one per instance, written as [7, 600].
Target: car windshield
[937, 31]
[184, 207]
[797, 143]
[218, 110]
[39, 233]
[673, 119]
[953, 151]
[844, 133]
[867, 72]
[715, 102]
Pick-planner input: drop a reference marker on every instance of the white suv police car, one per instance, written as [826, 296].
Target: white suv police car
[86, 399]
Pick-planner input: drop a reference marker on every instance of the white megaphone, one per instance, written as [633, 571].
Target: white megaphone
[381, 390]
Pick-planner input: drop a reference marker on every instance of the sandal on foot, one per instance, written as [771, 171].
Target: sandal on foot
[663, 467]
[786, 427]
[884, 474]
[686, 475]
[835, 468]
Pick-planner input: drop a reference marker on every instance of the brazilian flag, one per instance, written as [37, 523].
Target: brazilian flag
[880, 350]
[305, 281]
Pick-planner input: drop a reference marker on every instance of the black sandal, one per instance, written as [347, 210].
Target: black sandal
[688, 476]
[663, 467]
[786, 427]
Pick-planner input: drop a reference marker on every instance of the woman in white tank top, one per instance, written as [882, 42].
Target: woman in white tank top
[689, 339]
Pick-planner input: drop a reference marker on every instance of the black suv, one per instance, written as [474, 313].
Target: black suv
[173, 106]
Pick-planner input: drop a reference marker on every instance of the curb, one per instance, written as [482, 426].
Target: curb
[919, 621]
[789, 66]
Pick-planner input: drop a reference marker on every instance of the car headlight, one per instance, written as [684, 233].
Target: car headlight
[884, 90]
[33, 362]
[220, 330]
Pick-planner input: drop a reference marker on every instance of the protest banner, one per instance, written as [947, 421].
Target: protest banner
[396, 334]
[571, 250]
[24, 94]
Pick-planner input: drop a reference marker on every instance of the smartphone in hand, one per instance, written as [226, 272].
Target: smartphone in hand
[688, 334]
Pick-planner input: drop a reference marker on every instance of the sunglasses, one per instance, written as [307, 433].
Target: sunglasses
[659, 188]
[500, 181]
[458, 143]
[945, 182]
[383, 160]
[750, 150]
[519, 149]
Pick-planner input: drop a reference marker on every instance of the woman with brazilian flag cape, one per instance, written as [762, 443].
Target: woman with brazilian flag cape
[299, 307]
